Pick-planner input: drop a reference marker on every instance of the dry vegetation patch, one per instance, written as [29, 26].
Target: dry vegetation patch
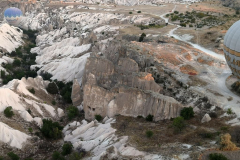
[195, 133]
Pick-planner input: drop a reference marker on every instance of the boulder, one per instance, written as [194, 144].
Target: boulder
[206, 118]
[60, 112]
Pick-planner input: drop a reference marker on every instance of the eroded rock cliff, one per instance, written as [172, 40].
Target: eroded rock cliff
[115, 83]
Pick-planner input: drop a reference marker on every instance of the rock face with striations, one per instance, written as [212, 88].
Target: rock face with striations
[76, 95]
[115, 85]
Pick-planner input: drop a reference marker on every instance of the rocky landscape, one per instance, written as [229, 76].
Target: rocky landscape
[109, 79]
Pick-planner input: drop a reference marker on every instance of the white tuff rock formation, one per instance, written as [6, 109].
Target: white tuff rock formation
[17, 95]
[101, 140]
[10, 38]
[206, 118]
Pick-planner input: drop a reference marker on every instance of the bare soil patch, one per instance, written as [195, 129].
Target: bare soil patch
[187, 69]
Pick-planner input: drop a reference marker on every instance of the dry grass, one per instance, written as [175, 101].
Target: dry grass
[13, 123]
[164, 133]
[227, 144]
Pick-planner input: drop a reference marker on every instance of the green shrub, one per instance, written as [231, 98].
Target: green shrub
[30, 130]
[178, 123]
[217, 156]
[51, 129]
[143, 35]
[187, 113]
[52, 88]
[98, 117]
[193, 20]
[16, 62]
[3, 74]
[224, 128]
[174, 18]
[130, 12]
[32, 90]
[76, 156]
[213, 115]
[8, 67]
[31, 74]
[149, 118]
[200, 15]
[176, 12]
[207, 135]
[57, 156]
[72, 112]
[46, 75]
[53, 102]
[142, 27]
[183, 24]
[13, 156]
[149, 134]
[139, 117]
[65, 90]
[29, 111]
[67, 148]
[229, 111]
[139, 12]
[8, 112]
[67, 97]
[18, 74]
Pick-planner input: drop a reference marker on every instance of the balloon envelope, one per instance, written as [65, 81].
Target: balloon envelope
[13, 15]
[232, 48]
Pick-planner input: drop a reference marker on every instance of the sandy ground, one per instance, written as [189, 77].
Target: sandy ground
[133, 30]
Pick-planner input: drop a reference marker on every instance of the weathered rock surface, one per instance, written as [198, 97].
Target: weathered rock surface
[129, 102]
[113, 84]
[76, 95]
[27, 107]
[206, 118]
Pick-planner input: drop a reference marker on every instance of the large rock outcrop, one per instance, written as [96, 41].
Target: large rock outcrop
[116, 84]
[129, 102]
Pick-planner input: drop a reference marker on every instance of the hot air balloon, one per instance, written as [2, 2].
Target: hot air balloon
[13, 15]
[232, 48]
